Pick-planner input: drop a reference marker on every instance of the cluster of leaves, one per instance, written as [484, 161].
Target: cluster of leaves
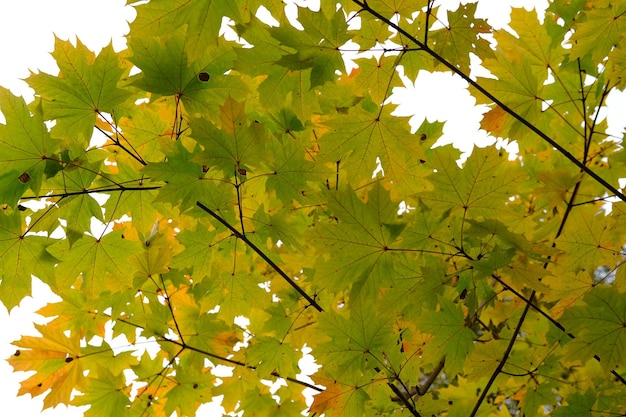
[235, 179]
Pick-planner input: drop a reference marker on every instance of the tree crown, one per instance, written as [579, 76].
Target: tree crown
[235, 179]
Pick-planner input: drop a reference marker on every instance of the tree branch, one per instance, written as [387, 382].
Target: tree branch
[404, 400]
[271, 263]
[91, 191]
[507, 352]
[558, 325]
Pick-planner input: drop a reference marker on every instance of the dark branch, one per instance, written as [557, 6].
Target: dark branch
[507, 352]
[238, 363]
[558, 325]
[91, 191]
[125, 149]
[271, 263]
[404, 400]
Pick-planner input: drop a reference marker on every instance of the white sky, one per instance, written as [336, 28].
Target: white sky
[26, 38]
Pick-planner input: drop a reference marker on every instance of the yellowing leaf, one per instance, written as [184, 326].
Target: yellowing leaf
[338, 398]
[58, 363]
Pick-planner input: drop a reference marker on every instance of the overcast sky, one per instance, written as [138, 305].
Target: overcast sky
[26, 38]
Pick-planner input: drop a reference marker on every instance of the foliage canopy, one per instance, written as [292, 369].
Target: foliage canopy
[235, 179]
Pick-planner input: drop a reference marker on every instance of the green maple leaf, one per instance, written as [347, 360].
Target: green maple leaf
[137, 204]
[598, 31]
[404, 8]
[146, 133]
[192, 389]
[88, 86]
[104, 394]
[416, 289]
[374, 76]
[590, 241]
[478, 190]
[268, 354]
[290, 172]
[77, 209]
[202, 21]
[358, 341]
[520, 85]
[75, 313]
[461, 36]
[237, 144]
[21, 256]
[362, 244]
[365, 134]
[280, 86]
[316, 47]
[26, 147]
[452, 337]
[199, 83]
[198, 253]
[189, 182]
[599, 327]
[98, 263]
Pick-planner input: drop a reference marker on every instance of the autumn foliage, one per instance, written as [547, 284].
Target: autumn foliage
[233, 178]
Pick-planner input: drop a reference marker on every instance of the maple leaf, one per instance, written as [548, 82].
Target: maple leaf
[341, 399]
[317, 47]
[167, 69]
[606, 336]
[461, 36]
[203, 21]
[600, 32]
[26, 147]
[19, 253]
[452, 338]
[97, 263]
[87, 87]
[104, 394]
[58, 363]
